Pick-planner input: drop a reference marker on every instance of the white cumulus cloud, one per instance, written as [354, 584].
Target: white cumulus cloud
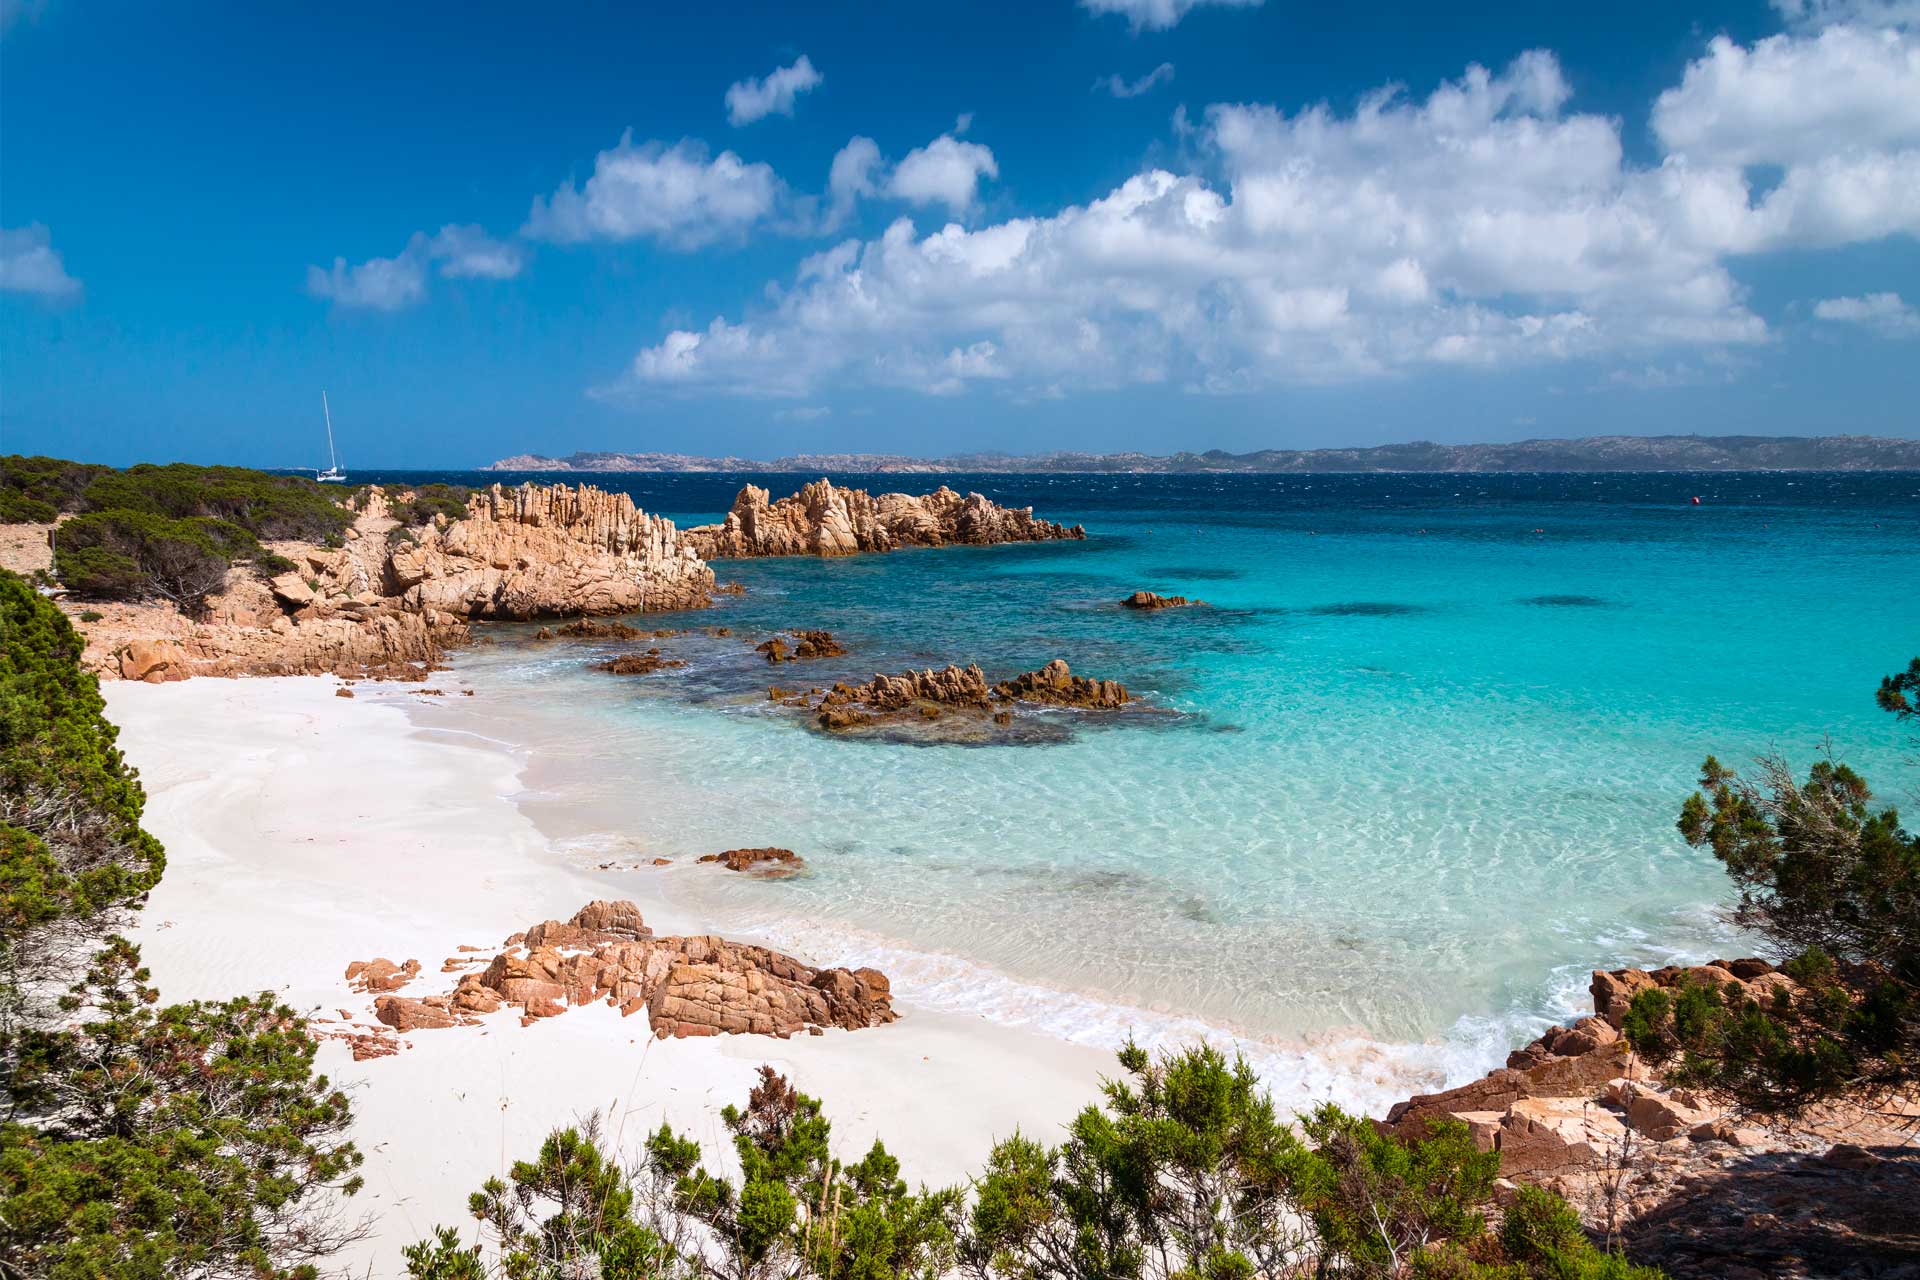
[1486, 225]
[1121, 87]
[1157, 15]
[468, 252]
[754, 99]
[945, 171]
[393, 284]
[30, 264]
[1814, 14]
[380, 284]
[850, 178]
[1885, 313]
[678, 195]
[1794, 99]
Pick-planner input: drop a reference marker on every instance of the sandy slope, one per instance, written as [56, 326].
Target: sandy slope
[305, 830]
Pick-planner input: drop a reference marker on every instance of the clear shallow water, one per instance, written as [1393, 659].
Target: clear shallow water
[1431, 740]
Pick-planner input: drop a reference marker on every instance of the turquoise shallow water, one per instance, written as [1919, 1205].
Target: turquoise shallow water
[1430, 741]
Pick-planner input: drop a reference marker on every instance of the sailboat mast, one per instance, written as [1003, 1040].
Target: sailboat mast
[333, 463]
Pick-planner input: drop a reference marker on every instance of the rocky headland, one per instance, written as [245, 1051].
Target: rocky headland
[390, 599]
[1578, 1112]
[696, 985]
[824, 519]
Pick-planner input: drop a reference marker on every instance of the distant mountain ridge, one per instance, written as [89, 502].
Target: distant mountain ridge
[1592, 453]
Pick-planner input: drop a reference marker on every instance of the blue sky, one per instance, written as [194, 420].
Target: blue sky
[574, 232]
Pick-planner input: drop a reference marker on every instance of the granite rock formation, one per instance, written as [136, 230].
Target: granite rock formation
[381, 974]
[1056, 685]
[826, 520]
[389, 600]
[542, 550]
[689, 986]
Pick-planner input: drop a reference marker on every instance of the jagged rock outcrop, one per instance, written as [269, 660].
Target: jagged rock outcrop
[1056, 685]
[390, 601]
[689, 986]
[847, 706]
[248, 630]
[826, 520]
[1153, 600]
[769, 863]
[540, 550]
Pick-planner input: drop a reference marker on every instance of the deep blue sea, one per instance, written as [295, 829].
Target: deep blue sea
[1410, 777]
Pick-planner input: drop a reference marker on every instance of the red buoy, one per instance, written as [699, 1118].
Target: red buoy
[1696, 499]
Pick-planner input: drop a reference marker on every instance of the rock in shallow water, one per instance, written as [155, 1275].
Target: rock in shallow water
[769, 863]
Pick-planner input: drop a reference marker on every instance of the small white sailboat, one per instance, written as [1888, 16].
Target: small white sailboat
[333, 474]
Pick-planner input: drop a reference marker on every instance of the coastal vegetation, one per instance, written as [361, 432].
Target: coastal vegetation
[136, 1140]
[421, 505]
[1832, 880]
[1186, 1172]
[168, 532]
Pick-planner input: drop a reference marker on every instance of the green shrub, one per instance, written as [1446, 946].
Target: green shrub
[71, 847]
[166, 531]
[419, 506]
[1186, 1173]
[137, 1140]
[1832, 881]
[18, 508]
[131, 555]
[267, 506]
[37, 489]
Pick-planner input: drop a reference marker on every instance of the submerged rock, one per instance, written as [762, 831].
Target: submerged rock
[1151, 600]
[638, 664]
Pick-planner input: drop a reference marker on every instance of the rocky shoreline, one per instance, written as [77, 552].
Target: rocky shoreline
[1578, 1112]
[390, 600]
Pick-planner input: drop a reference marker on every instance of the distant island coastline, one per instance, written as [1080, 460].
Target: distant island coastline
[1592, 453]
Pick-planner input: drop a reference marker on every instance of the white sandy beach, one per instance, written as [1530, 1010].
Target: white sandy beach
[304, 831]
